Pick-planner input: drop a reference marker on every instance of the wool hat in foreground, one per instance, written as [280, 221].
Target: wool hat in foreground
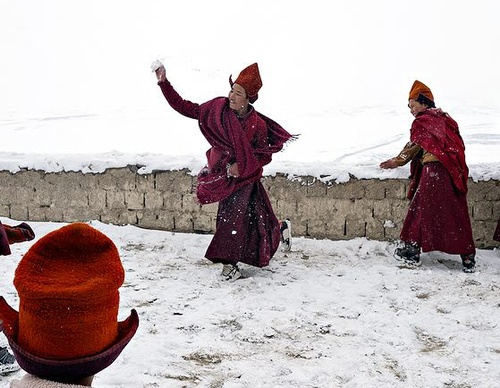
[67, 324]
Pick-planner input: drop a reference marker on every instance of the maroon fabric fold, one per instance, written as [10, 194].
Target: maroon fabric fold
[4, 242]
[415, 174]
[247, 229]
[231, 144]
[436, 132]
[438, 217]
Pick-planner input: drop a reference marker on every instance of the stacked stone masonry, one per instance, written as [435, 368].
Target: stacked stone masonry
[165, 200]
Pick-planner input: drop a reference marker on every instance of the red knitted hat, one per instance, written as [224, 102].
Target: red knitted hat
[250, 80]
[68, 291]
[420, 88]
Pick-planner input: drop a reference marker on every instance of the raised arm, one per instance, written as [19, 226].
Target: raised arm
[184, 107]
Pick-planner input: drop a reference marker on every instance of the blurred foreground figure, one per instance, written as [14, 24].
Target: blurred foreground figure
[66, 329]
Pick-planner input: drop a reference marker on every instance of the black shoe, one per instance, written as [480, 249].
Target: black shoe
[409, 254]
[8, 363]
[286, 235]
[469, 263]
[230, 272]
[408, 250]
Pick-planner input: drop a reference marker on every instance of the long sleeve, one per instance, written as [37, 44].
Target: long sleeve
[408, 153]
[184, 107]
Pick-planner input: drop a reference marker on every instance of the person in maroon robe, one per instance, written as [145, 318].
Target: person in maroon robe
[438, 217]
[242, 142]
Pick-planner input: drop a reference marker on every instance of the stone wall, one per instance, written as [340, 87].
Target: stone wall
[165, 200]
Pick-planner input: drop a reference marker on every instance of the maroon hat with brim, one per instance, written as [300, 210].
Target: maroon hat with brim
[67, 369]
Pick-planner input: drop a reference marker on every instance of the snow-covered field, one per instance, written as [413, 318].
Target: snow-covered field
[327, 314]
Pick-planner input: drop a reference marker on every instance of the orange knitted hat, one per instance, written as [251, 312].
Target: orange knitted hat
[67, 325]
[68, 290]
[250, 80]
[420, 88]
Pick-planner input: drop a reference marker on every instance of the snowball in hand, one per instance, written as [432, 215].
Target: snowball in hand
[156, 65]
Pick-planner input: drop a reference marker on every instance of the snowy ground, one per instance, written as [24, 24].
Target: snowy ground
[327, 314]
[78, 95]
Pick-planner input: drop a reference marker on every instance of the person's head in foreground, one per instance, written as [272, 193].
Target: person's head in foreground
[66, 329]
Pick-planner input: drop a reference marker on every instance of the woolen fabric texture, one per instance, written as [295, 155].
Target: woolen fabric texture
[64, 369]
[4, 242]
[250, 80]
[247, 230]
[420, 88]
[438, 217]
[249, 142]
[67, 325]
[19, 233]
[30, 381]
[14, 234]
[436, 132]
[71, 276]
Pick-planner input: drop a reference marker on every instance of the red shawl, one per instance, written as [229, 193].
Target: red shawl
[4, 242]
[222, 129]
[436, 132]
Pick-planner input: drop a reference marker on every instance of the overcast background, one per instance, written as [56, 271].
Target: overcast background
[76, 91]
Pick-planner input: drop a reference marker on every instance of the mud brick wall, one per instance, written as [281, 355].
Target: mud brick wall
[165, 200]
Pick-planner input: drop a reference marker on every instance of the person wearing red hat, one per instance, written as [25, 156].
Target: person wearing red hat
[66, 329]
[438, 217]
[242, 142]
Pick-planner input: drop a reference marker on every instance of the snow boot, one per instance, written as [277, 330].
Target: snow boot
[469, 263]
[409, 254]
[8, 363]
[230, 272]
[286, 235]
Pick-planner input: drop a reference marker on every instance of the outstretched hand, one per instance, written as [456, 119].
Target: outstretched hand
[233, 171]
[391, 163]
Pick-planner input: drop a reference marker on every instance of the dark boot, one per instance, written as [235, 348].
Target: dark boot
[409, 253]
[469, 263]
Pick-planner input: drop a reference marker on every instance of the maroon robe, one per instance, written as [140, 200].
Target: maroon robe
[438, 216]
[14, 234]
[4, 242]
[246, 229]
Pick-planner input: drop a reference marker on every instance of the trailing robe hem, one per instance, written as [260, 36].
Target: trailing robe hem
[438, 217]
